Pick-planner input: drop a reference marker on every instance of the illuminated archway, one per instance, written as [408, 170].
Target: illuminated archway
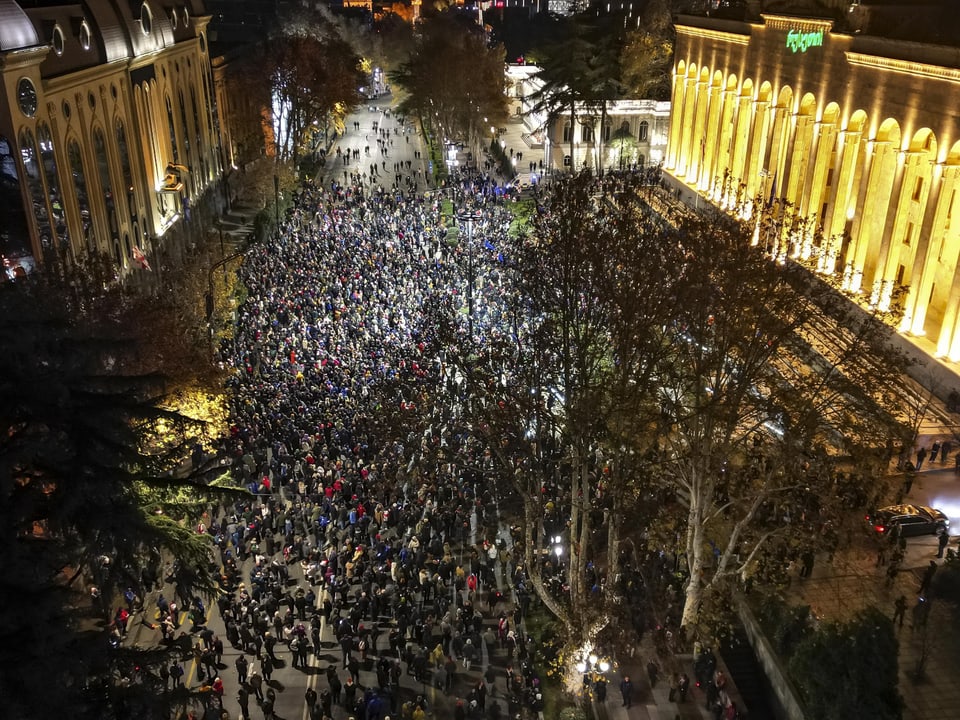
[676, 102]
[843, 192]
[944, 258]
[801, 151]
[733, 193]
[910, 223]
[759, 139]
[868, 230]
[777, 160]
[699, 148]
[813, 204]
[687, 120]
[725, 147]
[708, 174]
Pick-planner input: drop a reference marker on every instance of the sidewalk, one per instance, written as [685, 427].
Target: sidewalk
[655, 703]
[852, 580]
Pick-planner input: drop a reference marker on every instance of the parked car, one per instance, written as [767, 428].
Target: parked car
[912, 520]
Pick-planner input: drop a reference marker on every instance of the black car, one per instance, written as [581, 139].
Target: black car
[912, 520]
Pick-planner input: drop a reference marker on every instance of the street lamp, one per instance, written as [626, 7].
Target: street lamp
[468, 218]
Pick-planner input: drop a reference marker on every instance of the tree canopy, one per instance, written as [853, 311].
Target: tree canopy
[849, 669]
[453, 81]
[312, 76]
[97, 489]
[671, 358]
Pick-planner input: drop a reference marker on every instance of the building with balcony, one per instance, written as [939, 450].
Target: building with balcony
[858, 133]
[109, 131]
[632, 133]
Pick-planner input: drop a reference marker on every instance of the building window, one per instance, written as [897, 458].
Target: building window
[103, 171]
[643, 132]
[48, 161]
[146, 19]
[606, 133]
[586, 134]
[31, 167]
[83, 200]
[173, 132]
[918, 189]
[125, 169]
[84, 35]
[57, 40]
[566, 132]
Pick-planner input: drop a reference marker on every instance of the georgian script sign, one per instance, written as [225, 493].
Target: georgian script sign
[799, 41]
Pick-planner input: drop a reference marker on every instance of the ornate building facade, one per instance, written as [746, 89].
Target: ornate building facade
[633, 133]
[859, 135]
[109, 110]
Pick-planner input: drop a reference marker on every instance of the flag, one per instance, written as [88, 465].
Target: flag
[140, 259]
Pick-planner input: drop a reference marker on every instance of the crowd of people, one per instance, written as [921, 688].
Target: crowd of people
[369, 516]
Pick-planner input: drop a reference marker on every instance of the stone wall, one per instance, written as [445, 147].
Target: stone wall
[785, 696]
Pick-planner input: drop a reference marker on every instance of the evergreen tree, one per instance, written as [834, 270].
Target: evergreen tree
[97, 491]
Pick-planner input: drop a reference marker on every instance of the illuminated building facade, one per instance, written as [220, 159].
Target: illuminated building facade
[109, 117]
[858, 134]
[634, 131]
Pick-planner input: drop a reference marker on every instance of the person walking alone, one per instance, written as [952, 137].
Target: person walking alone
[626, 691]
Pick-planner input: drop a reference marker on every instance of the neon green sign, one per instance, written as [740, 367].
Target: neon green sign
[799, 41]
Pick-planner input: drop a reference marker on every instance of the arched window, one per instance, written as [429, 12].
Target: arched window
[83, 199]
[48, 162]
[201, 154]
[31, 167]
[106, 187]
[173, 132]
[643, 131]
[129, 190]
[185, 134]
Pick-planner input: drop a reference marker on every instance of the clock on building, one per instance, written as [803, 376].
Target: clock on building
[27, 97]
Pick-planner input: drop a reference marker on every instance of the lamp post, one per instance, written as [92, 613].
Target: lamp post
[468, 218]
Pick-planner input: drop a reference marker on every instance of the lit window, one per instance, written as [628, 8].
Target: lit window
[643, 131]
[57, 40]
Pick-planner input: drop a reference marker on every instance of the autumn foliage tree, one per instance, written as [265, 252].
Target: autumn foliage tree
[645, 354]
[311, 76]
[98, 489]
[452, 79]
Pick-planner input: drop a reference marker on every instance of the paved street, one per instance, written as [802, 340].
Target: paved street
[400, 145]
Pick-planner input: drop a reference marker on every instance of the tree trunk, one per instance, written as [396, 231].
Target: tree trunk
[693, 593]
[532, 558]
[613, 534]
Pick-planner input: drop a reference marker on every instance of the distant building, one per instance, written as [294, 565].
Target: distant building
[109, 127]
[634, 134]
[859, 133]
